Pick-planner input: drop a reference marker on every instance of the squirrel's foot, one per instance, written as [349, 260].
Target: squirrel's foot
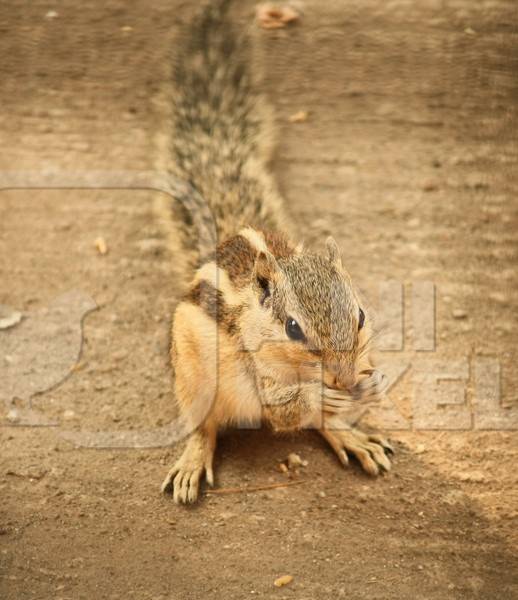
[371, 450]
[183, 480]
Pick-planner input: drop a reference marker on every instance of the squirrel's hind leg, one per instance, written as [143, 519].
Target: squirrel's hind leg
[183, 480]
[370, 449]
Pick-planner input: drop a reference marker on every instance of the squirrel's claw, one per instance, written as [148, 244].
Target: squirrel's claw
[387, 446]
[167, 484]
[341, 395]
[372, 387]
[183, 484]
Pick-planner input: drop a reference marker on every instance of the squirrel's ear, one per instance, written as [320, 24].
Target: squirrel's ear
[265, 266]
[333, 252]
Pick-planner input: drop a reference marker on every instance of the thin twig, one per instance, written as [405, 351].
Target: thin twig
[36, 476]
[254, 488]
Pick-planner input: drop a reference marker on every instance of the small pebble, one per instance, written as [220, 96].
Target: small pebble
[13, 416]
[458, 313]
[294, 460]
[9, 317]
[473, 477]
[226, 515]
[498, 297]
[150, 246]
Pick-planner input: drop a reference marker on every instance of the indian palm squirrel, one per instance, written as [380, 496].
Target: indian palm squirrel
[267, 332]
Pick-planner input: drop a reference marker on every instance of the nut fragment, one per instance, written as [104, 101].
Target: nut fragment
[272, 16]
[298, 117]
[101, 246]
[283, 580]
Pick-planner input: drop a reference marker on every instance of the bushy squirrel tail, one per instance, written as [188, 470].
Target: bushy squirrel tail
[219, 142]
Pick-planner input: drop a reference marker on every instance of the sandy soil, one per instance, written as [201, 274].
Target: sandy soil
[408, 157]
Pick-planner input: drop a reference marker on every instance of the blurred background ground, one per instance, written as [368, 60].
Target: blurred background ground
[408, 156]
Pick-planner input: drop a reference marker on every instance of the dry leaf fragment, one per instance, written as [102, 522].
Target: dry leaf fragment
[283, 580]
[77, 367]
[298, 117]
[101, 246]
[272, 16]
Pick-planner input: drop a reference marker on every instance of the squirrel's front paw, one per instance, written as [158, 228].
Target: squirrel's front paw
[183, 480]
[372, 387]
[369, 390]
[371, 450]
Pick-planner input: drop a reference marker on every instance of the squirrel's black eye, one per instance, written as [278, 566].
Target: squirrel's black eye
[361, 319]
[263, 283]
[293, 330]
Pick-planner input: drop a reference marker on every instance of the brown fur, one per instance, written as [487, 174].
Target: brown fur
[237, 257]
[278, 244]
[206, 296]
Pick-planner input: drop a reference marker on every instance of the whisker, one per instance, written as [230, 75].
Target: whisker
[367, 344]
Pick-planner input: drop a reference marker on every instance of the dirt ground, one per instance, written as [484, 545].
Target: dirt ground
[408, 157]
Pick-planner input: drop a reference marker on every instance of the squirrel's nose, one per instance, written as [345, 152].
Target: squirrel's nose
[339, 382]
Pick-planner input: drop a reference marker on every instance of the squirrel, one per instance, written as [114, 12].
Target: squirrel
[267, 333]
